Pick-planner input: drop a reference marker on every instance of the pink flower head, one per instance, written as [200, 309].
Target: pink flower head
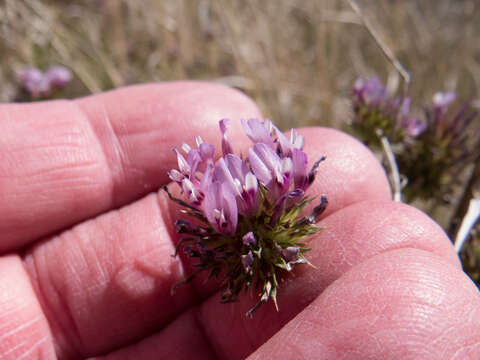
[248, 207]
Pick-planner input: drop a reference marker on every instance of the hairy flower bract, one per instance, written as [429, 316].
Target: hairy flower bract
[245, 224]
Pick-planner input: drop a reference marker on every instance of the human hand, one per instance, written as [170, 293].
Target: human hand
[81, 276]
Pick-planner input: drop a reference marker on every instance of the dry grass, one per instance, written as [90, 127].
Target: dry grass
[297, 58]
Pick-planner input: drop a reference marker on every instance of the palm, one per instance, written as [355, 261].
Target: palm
[94, 281]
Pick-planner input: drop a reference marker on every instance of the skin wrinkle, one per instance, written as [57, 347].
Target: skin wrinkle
[14, 348]
[81, 247]
[58, 170]
[451, 330]
[18, 147]
[444, 334]
[34, 347]
[379, 225]
[142, 263]
[36, 325]
[119, 158]
[465, 349]
[7, 313]
[72, 336]
[199, 323]
[69, 160]
[73, 331]
[294, 331]
[20, 327]
[106, 254]
[307, 326]
[161, 213]
[118, 274]
[101, 144]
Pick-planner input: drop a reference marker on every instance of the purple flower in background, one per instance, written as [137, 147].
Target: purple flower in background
[414, 127]
[34, 81]
[370, 91]
[39, 84]
[431, 149]
[450, 127]
[58, 76]
[248, 207]
[442, 100]
[377, 111]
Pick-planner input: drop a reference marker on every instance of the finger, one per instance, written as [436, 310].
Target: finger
[401, 304]
[351, 236]
[64, 161]
[24, 331]
[118, 270]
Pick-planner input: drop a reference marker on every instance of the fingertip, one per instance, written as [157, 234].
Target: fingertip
[406, 303]
[368, 228]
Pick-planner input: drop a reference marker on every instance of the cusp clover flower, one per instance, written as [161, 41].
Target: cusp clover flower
[40, 84]
[376, 110]
[247, 226]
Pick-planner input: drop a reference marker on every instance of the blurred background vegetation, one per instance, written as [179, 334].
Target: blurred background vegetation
[298, 59]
